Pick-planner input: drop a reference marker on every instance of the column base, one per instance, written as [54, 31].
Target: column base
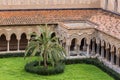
[93, 53]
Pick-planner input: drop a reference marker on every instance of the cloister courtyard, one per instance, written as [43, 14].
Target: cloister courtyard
[88, 31]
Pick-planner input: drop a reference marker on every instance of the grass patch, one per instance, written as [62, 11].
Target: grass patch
[13, 69]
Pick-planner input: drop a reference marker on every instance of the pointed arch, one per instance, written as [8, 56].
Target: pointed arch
[13, 42]
[3, 43]
[108, 50]
[75, 36]
[93, 45]
[73, 44]
[83, 44]
[53, 34]
[23, 41]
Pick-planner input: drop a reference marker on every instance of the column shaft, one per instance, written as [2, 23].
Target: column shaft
[84, 46]
[112, 58]
[78, 49]
[68, 50]
[88, 50]
[18, 46]
[98, 48]
[8, 46]
[93, 47]
[102, 51]
[107, 54]
[117, 61]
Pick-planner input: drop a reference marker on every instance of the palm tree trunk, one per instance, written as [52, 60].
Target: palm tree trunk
[45, 60]
[39, 60]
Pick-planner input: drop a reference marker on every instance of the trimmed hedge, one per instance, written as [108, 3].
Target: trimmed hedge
[17, 54]
[95, 62]
[33, 67]
[6, 55]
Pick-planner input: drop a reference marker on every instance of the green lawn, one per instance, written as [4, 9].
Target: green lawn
[13, 69]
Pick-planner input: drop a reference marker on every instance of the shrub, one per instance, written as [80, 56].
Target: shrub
[33, 67]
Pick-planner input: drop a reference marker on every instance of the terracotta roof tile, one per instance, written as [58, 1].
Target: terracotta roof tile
[42, 16]
[108, 22]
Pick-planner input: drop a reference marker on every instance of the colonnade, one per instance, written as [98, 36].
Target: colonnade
[13, 44]
[105, 51]
[85, 47]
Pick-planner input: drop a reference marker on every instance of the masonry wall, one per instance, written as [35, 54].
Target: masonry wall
[41, 4]
[111, 5]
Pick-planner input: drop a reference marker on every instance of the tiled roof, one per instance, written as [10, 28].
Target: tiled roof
[42, 16]
[108, 22]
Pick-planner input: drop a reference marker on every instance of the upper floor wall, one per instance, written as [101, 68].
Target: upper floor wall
[111, 5]
[48, 4]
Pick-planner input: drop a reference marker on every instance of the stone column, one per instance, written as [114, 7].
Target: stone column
[8, 45]
[93, 47]
[112, 58]
[107, 54]
[102, 51]
[98, 48]
[28, 41]
[117, 61]
[18, 46]
[68, 50]
[88, 50]
[84, 46]
[78, 49]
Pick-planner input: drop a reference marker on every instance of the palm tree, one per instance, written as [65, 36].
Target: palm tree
[46, 46]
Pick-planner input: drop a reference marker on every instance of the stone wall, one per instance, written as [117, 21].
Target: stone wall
[111, 5]
[43, 4]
